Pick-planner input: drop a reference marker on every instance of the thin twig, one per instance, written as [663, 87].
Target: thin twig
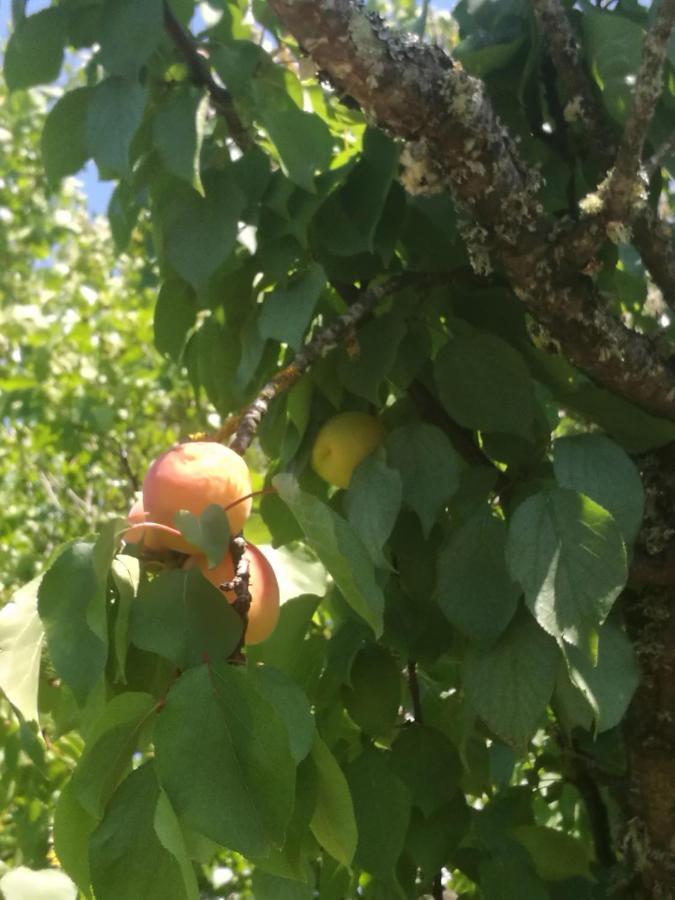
[625, 178]
[240, 585]
[201, 75]
[324, 340]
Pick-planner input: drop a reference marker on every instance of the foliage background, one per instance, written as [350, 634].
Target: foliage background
[456, 735]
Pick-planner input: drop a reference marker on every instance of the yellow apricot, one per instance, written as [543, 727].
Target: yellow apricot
[342, 443]
[192, 476]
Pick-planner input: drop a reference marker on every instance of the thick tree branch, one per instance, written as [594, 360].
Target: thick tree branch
[200, 73]
[626, 181]
[240, 585]
[417, 93]
[324, 340]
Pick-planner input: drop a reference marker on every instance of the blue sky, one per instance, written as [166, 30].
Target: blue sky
[98, 192]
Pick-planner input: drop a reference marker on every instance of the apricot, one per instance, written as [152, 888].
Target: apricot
[192, 476]
[135, 535]
[263, 613]
[342, 443]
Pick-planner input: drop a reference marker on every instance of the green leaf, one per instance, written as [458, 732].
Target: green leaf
[510, 684]
[184, 618]
[125, 572]
[429, 469]
[372, 503]
[290, 704]
[338, 548]
[378, 342]
[287, 311]
[72, 829]
[63, 144]
[128, 856]
[280, 649]
[346, 224]
[594, 465]
[333, 823]
[72, 606]
[210, 531]
[474, 588]
[34, 51]
[609, 685]
[555, 855]
[175, 316]
[484, 384]
[509, 877]
[303, 141]
[110, 745]
[239, 786]
[612, 45]
[273, 887]
[21, 637]
[178, 133]
[115, 111]
[382, 808]
[567, 554]
[374, 696]
[427, 763]
[431, 840]
[129, 32]
[202, 233]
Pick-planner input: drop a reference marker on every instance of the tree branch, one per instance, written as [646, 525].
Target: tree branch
[581, 103]
[625, 184]
[324, 340]
[652, 237]
[200, 73]
[240, 585]
[417, 93]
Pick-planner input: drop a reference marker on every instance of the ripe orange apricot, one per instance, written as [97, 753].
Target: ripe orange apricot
[135, 535]
[192, 476]
[263, 613]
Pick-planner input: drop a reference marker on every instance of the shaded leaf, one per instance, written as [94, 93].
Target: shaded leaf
[178, 132]
[382, 808]
[372, 503]
[73, 826]
[594, 465]
[114, 112]
[555, 855]
[338, 548]
[510, 684]
[184, 618]
[567, 554]
[429, 468]
[287, 311]
[333, 823]
[374, 694]
[303, 141]
[239, 787]
[290, 704]
[427, 763]
[64, 150]
[129, 32]
[127, 856]
[34, 51]
[474, 587]
[485, 385]
[110, 745]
